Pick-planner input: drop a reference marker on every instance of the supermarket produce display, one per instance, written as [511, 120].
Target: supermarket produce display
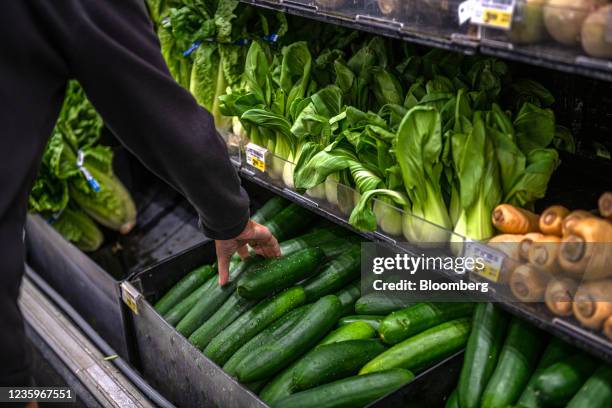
[345, 135]
[329, 143]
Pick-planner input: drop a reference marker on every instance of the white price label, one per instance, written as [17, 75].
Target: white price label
[256, 156]
[491, 13]
[491, 258]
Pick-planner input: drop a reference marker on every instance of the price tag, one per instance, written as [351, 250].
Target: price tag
[493, 13]
[490, 257]
[256, 156]
[130, 296]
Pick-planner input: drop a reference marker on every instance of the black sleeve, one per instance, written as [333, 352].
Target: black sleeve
[113, 51]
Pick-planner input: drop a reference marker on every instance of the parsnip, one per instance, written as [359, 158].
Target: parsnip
[593, 303]
[551, 220]
[528, 283]
[513, 220]
[559, 295]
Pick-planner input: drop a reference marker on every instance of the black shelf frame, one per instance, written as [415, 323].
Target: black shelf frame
[561, 60]
[536, 314]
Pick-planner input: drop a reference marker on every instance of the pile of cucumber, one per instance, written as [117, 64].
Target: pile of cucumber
[509, 363]
[295, 329]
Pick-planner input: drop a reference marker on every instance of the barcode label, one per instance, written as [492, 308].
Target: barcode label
[256, 156]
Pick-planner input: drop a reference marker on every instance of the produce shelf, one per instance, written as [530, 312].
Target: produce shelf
[567, 329]
[450, 35]
[356, 16]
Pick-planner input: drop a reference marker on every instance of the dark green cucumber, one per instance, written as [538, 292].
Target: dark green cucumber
[184, 288]
[267, 211]
[483, 347]
[270, 359]
[372, 320]
[556, 351]
[596, 391]
[356, 391]
[558, 383]
[282, 385]
[334, 275]
[314, 238]
[380, 304]
[348, 296]
[233, 308]
[179, 311]
[407, 322]
[351, 331]
[213, 298]
[453, 400]
[274, 275]
[334, 361]
[420, 351]
[290, 222]
[271, 333]
[247, 326]
[518, 358]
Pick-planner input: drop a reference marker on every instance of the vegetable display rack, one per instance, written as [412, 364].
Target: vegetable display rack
[536, 313]
[561, 35]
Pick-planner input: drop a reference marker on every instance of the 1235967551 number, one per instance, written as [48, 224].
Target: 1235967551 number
[41, 394]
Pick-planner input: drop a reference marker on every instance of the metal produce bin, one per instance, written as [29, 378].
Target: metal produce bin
[181, 373]
[178, 370]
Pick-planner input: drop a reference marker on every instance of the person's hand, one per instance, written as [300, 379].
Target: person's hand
[256, 236]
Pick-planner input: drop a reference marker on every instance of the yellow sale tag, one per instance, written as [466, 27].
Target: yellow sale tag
[497, 18]
[256, 156]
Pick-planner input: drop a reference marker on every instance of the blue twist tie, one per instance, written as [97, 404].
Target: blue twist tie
[192, 48]
[93, 183]
[271, 38]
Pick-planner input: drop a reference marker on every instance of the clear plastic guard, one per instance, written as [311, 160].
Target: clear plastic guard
[345, 9]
